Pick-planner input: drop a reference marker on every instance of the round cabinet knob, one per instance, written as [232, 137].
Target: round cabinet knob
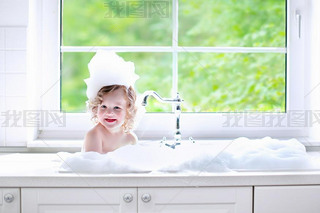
[8, 198]
[127, 198]
[146, 198]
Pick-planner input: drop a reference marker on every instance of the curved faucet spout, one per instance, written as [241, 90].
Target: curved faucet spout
[148, 93]
[176, 102]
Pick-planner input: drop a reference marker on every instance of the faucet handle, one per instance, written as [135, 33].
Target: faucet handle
[178, 98]
[191, 139]
[164, 138]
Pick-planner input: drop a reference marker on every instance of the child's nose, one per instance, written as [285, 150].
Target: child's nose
[109, 111]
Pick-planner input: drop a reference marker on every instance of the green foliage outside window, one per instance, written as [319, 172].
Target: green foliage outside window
[208, 82]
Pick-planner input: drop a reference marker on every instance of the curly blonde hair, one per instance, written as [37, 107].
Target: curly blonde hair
[92, 105]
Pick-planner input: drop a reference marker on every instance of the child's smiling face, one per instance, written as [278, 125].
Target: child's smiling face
[112, 110]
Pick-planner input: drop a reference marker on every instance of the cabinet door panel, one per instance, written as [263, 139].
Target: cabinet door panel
[10, 207]
[77, 200]
[197, 200]
[285, 199]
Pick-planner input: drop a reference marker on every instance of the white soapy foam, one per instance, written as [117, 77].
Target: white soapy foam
[142, 158]
[107, 68]
[266, 154]
[241, 154]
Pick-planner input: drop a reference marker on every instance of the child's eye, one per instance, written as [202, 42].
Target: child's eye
[103, 106]
[116, 107]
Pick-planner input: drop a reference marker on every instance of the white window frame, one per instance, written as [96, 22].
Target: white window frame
[157, 125]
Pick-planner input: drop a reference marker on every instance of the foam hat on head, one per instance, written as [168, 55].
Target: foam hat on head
[107, 68]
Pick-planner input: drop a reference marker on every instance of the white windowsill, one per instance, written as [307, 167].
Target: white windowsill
[41, 145]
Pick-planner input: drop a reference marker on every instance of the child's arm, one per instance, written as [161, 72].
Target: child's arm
[92, 142]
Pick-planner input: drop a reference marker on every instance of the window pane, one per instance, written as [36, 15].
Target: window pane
[73, 88]
[155, 74]
[154, 70]
[116, 22]
[244, 23]
[225, 82]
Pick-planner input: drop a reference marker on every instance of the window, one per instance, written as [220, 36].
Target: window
[220, 55]
[223, 56]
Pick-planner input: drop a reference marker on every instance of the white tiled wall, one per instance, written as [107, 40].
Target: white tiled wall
[2, 33]
[15, 85]
[2, 56]
[2, 130]
[14, 38]
[13, 49]
[2, 85]
[15, 59]
[14, 12]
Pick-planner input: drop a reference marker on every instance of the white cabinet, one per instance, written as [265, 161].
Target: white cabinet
[285, 199]
[78, 200]
[10, 200]
[142, 200]
[196, 200]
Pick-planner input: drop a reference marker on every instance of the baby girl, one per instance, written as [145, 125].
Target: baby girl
[111, 101]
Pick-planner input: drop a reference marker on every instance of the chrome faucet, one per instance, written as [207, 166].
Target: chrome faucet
[176, 102]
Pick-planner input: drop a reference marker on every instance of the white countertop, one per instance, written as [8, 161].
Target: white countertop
[41, 170]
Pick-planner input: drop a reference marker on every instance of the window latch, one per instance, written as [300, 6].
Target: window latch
[298, 20]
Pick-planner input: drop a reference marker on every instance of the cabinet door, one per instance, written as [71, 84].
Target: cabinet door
[197, 200]
[78, 200]
[10, 200]
[282, 199]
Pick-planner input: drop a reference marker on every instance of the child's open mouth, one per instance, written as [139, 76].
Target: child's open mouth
[110, 120]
